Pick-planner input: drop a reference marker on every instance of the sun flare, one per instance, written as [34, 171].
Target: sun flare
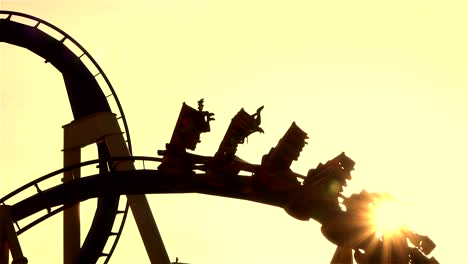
[387, 217]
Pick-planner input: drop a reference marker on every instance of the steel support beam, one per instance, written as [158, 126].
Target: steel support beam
[104, 127]
[9, 242]
[71, 215]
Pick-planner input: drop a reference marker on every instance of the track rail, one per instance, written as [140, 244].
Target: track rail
[139, 182]
[53, 211]
[37, 181]
[38, 24]
[150, 181]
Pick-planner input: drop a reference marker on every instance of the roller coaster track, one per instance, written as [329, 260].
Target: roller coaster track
[35, 185]
[80, 109]
[138, 181]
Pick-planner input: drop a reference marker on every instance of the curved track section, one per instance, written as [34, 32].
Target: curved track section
[152, 181]
[141, 181]
[86, 97]
[54, 176]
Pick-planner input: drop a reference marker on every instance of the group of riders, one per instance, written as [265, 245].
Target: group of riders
[317, 195]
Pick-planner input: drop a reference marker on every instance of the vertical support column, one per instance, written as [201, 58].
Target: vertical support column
[4, 248]
[88, 130]
[8, 239]
[139, 205]
[71, 215]
[343, 255]
[4, 251]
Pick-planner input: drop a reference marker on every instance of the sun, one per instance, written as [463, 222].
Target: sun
[387, 217]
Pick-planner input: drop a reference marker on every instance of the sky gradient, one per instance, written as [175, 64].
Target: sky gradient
[383, 81]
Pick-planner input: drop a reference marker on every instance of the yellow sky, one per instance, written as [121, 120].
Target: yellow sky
[384, 81]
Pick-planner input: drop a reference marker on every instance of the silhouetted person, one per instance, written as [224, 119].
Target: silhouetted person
[275, 174]
[190, 124]
[225, 165]
[318, 195]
